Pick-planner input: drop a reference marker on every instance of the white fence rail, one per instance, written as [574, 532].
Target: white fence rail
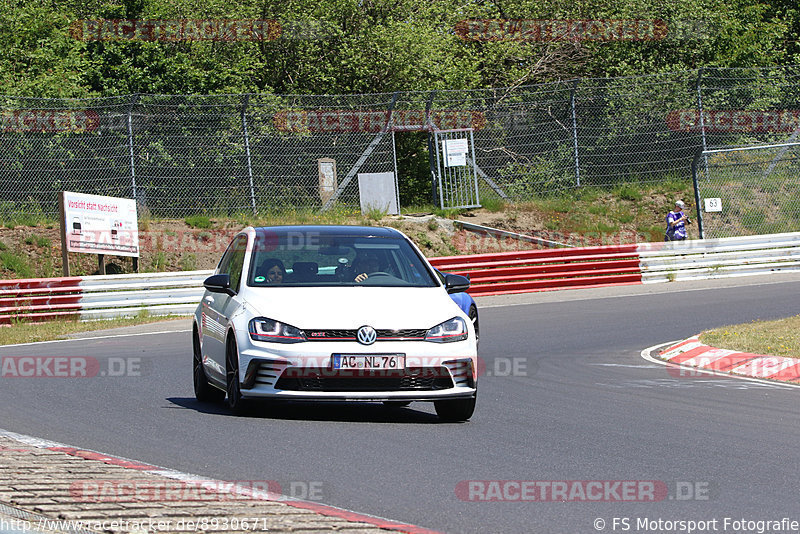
[718, 258]
[128, 295]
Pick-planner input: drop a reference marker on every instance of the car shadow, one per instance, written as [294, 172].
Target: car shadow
[349, 412]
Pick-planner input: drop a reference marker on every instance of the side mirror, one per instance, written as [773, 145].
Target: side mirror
[219, 283]
[455, 283]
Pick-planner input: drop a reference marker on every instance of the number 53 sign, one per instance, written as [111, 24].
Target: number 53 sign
[713, 204]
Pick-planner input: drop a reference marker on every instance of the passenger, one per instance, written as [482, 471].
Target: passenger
[272, 269]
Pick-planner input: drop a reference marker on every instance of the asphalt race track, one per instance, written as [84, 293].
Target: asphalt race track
[569, 399]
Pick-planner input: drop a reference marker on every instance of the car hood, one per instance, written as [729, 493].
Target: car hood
[353, 307]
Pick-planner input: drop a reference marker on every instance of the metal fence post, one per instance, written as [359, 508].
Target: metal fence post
[700, 111]
[697, 193]
[396, 180]
[431, 148]
[395, 97]
[575, 132]
[134, 192]
[247, 153]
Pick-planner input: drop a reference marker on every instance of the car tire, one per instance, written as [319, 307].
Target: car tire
[203, 391]
[396, 404]
[234, 399]
[473, 316]
[455, 410]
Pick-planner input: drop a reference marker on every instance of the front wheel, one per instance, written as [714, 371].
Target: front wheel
[455, 410]
[203, 391]
[235, 401]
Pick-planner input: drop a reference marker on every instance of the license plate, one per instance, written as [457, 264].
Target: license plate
[369, 361]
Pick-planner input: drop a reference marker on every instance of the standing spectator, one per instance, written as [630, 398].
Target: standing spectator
[676, 223]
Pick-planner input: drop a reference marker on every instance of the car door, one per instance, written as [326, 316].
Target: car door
[218, 308]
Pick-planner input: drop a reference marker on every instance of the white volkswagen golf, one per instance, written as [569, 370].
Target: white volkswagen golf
[333, 313]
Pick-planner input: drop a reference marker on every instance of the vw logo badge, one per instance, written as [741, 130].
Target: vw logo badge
[367, 335]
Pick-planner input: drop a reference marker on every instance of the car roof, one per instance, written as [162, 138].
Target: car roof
[338, 230]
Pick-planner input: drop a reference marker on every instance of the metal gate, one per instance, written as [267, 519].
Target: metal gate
[457, 176]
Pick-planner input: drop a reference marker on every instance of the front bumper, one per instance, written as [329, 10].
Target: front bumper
[285, 373]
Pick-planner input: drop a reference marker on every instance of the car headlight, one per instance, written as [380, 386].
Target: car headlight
[263, 329]
[453, 330]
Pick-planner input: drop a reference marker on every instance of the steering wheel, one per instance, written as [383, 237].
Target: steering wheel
[379, 273]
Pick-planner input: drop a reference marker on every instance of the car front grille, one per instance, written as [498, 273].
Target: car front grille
[414, 379]
[409, 334]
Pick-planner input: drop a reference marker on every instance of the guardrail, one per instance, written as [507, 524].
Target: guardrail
[540, 270]
[718, 258]
[95, 297]
[98, 297]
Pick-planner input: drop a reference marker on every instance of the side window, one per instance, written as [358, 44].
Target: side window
[237, 262]
[222, 268]
[232, 261]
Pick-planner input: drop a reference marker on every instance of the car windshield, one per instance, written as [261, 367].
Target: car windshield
[312, 259]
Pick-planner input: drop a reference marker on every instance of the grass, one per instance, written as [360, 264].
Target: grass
[17, 264]
[27, 219]
[189, 262]
[199, 221]
[628, 192]
[376, 214]
[23, 332]
[336, 215]
[599, 209]
[493, 204]
[159, 261]
[448, 213]
[625, 218]
[558, 204]
[39, 241]
[776, 338]
[423, 240]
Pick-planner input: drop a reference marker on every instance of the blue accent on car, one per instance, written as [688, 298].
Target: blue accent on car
[464, 301]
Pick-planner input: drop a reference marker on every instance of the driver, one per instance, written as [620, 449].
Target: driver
[365, 265]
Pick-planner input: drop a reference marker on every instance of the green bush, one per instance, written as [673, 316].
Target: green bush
[199, 221]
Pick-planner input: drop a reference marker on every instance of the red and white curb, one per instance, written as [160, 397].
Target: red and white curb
[692, 353]
[219, 486]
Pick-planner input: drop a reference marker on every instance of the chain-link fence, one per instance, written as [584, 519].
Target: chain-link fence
[750, 190]
[225, 154]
